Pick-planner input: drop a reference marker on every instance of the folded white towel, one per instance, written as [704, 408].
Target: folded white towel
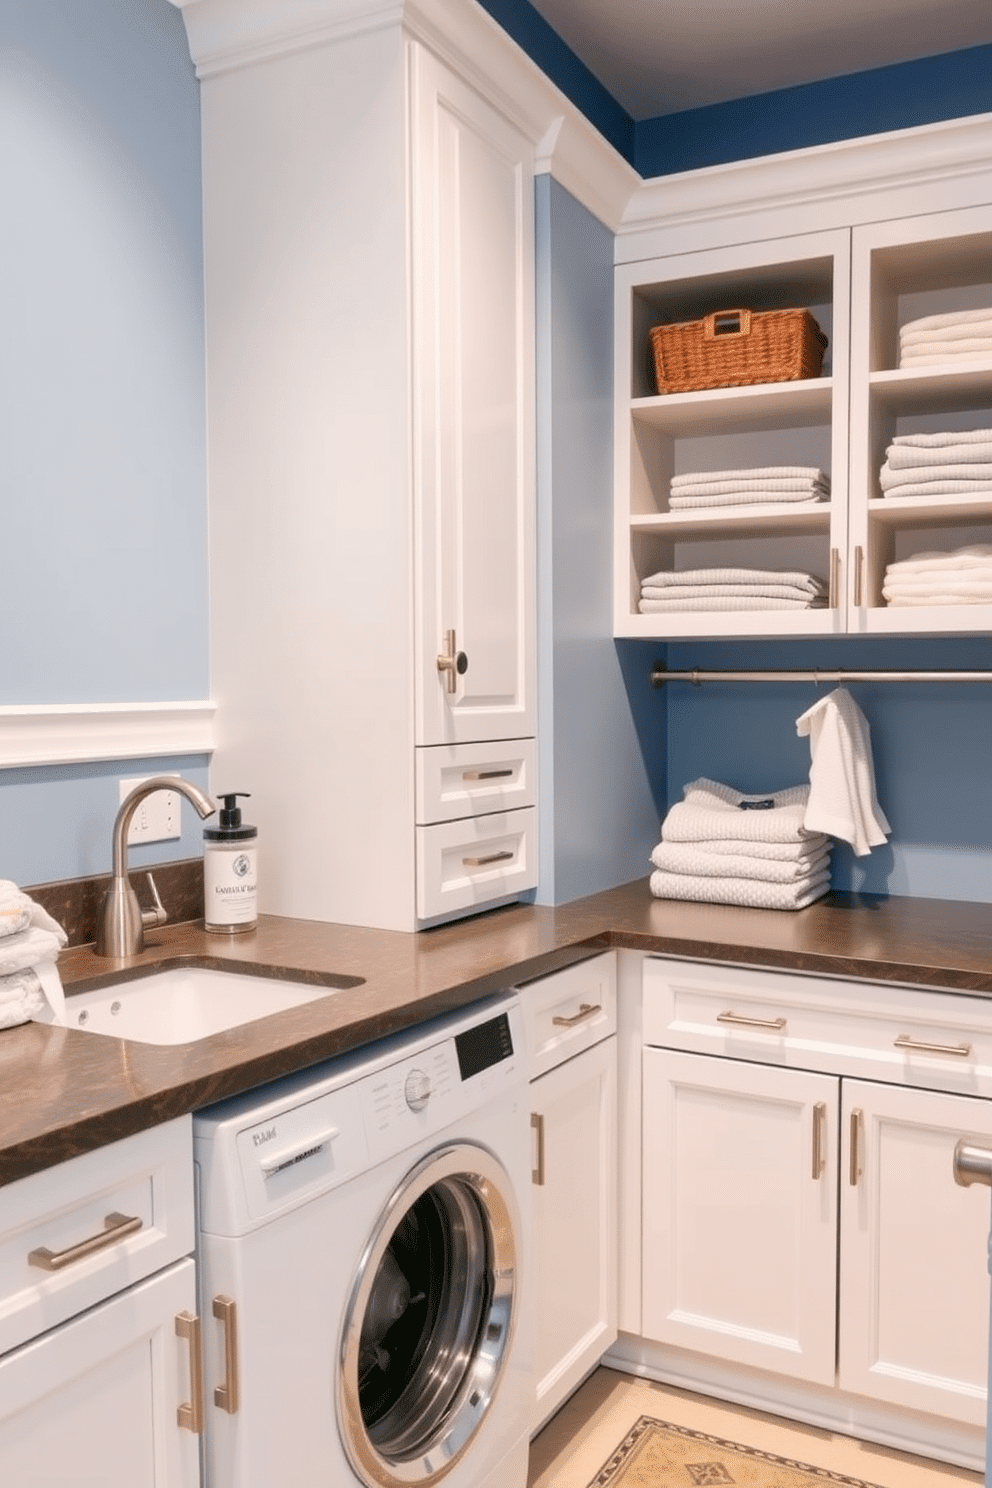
[914, 457]
[30, 941]
[748, 892]
[667, 578]
[761, 497]
[978, 350]
[941, 438]
[688, 858]
[842, 799]
[804, 850]
[18, 911]
[980, 473]
[806, 474]
[923, 601]
[32, 994]
[974, 556]
[741, 602]
[966, 331]
[717, 591]
[929, 488]
[704, 486]
[948, 318]
[968, 581]
[711, 812]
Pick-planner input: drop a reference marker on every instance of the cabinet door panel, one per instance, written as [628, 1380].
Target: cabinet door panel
[739, 1236]
[575, 1221]
[473, 357]
[914, 1282]
[95, 1401]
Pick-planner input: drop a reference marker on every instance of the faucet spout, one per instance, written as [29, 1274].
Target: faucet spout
[121, 923]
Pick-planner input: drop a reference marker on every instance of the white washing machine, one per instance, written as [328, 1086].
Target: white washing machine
[363, 1266]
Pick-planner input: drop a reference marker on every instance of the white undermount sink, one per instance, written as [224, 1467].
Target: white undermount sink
[187, 1003]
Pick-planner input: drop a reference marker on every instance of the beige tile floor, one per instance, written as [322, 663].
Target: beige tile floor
[577, 1441]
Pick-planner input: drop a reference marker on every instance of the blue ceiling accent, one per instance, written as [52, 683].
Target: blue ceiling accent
[901, 96]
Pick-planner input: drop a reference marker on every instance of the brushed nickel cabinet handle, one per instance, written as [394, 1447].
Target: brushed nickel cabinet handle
[451, 662]
[115, 1228]
[226, 1395]
[834, 579]
[537, 1125]
[972, 1164]
[859, 577]
[959, 1051]
[190, 1414]
[586, 1010]
[857, 1131]
[496, 857]
[739, 1021]
[819, 1124]
[486, 774]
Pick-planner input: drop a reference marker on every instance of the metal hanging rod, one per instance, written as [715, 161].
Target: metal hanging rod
[659, 676]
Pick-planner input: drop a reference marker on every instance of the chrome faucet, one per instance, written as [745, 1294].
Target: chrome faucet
[120, 929]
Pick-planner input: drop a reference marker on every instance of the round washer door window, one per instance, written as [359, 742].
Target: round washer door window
[430, 1319]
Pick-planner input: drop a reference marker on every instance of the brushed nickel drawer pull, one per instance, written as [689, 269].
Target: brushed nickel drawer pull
[496, 857]
[972, 1164]
[819, 1123]
[775, 1024]
[486, 774]
[115, 1228]
[190, 1414]
[857, 1131]
[833, 596]
[859, 577]
[537, 1125]
[586, 1010]
[960, 1051]
[226, 1395]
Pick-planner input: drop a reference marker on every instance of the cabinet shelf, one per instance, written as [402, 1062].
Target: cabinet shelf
[770, 405]
[735, 521]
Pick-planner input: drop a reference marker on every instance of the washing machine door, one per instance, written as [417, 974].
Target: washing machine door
[430, 1320]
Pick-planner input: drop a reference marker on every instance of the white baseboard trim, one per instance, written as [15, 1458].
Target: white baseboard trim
[75, 733]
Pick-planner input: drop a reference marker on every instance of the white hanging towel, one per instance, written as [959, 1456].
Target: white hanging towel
[842, 798]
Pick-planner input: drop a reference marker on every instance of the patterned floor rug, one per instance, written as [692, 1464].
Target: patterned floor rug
[655, 1454]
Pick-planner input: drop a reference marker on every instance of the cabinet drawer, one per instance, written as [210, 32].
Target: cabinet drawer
[136, 1195]
[569, 1011]
[458, 780]
[937, 1040]
[466, 864]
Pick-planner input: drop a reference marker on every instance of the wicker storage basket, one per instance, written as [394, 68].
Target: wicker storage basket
[735, 348]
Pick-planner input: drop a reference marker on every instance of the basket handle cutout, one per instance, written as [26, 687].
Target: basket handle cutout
[727, 323]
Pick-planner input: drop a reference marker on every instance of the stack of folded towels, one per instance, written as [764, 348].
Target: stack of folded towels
[731, 589]
[955, 463]
[960, 335]
[962, 576]
[763, 485]
[30, 941]
[720, 846]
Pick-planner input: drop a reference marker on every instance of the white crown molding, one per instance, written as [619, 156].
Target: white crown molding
[75, 733]
[855, 180]
[225, 35]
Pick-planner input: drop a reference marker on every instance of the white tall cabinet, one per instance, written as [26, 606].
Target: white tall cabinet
[368, 228]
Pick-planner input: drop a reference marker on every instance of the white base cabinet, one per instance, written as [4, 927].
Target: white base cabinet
[571, 1018]
[804, 1246]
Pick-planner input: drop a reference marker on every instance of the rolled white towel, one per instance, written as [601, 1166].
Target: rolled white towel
[747, 892]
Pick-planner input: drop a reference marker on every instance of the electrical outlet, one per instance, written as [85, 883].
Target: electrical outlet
[157, 816]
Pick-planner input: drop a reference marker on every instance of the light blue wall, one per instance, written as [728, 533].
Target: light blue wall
[102, 401]
[598, 817]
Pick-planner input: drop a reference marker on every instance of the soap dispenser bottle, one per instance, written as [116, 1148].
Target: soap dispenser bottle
[230, 871]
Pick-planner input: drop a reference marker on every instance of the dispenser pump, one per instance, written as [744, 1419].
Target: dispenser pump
[230, 871]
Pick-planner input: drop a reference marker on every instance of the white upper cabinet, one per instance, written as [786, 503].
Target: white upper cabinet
[473, 237]
[863, 280]
[905, 271]
[788, 423]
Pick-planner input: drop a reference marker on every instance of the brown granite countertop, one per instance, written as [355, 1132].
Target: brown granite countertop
[63, 1091]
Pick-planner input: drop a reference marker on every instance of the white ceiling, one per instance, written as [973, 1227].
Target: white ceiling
[660, 56]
